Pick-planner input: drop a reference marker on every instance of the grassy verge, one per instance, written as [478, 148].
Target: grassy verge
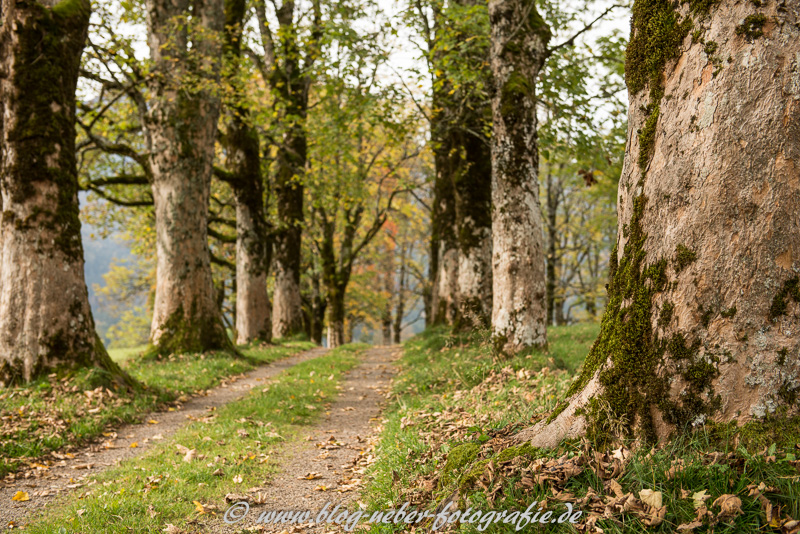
[66, 410]
[183, 481]
[447, 437]
[120, 355]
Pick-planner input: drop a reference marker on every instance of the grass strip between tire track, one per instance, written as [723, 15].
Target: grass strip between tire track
[232, 450]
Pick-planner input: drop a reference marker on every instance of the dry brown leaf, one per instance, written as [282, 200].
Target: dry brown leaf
[731, 506]
[651, 498]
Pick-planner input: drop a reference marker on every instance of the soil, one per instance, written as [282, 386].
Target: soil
[67, 472]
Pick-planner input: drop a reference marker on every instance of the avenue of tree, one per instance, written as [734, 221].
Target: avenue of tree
[276, 176]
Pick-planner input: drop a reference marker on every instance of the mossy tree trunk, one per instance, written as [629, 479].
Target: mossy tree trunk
[45, 318]
[253, 308]
[473, 220]
[703, 300]
[470, 118]
[444, 240]
[518, 52]
[182, 126]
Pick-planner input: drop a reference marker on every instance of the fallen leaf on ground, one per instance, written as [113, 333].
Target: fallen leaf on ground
[21, 496]
[699, 499]
[731, 506]
[653, 498]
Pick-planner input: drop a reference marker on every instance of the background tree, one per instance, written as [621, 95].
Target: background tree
[243, 158]
[45, 318]
[362, 140]
[518, 52]
[287, 66]
[694, 328]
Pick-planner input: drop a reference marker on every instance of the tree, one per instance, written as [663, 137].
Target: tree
[361, 145]
[518, 52]
[243, 154]
[468, 112]
[696, 328]
[181, 125]
[45, 318]
[455, 47]
[287, 67]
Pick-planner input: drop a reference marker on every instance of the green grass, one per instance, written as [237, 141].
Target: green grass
[238, 440]
[65, 410]
[455, 407]
[121, 355]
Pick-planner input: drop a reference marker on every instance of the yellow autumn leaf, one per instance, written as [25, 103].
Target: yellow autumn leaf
[134, 445]
[199, 507]
[21, 496]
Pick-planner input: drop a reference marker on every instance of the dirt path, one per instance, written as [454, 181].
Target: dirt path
[127, 442]
[334, 454]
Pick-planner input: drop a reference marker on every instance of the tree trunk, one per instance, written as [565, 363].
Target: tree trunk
[552, 241]
[45, 318]
[388, 286]
[400, 297]
[473, 188]
[703, 300]
[290, 84]
[470, 115]
[336, 317]
[518, 51]
[318, 306]
[182, 126]
[252, 317]
[252, 258]
[443, 219]
[287, 313]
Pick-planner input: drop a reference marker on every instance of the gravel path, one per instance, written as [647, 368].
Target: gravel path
[335, 454]
[68, 471]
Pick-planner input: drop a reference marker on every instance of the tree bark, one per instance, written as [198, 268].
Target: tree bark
[443, 235]
[45, 318]
[400, 296]
[336, 315]
[518, 51]
[253, 320]
[290, 84]
[703, 300]
[473, 188]
[182, 126]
